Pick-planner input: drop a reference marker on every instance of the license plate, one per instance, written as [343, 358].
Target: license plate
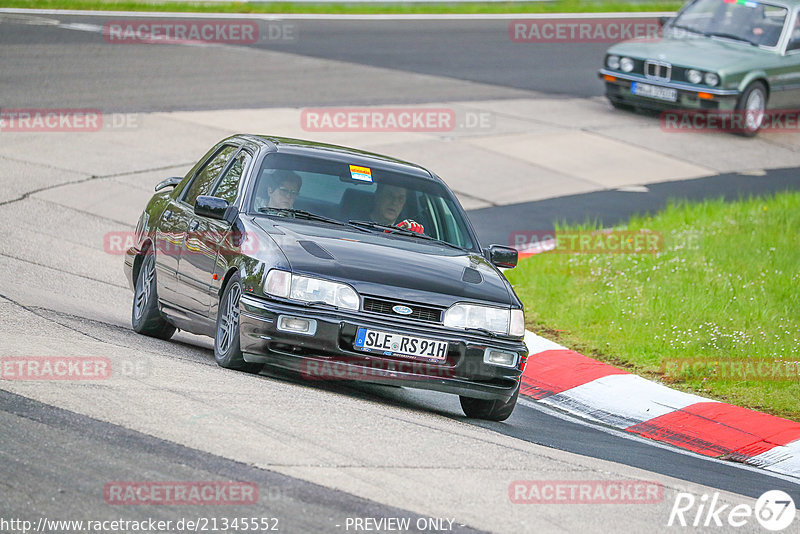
[390, 344]
[654, 91]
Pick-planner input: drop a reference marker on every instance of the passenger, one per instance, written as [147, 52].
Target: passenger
[389, 203]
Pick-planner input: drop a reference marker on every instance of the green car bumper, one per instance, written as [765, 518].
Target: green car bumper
[660, 95]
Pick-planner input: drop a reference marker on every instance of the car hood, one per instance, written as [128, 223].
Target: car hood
[703, 53]
[387, 265]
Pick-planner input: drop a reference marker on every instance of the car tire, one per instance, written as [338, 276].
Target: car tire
[753, 100]
[227, 347]
[491, 410]
[145, 317]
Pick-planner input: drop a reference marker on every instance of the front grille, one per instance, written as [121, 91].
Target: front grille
[420, 313]
[658, 70]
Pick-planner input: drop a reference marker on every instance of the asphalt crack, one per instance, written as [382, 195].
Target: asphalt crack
[33, 310]
[31, 262]
[25, 196]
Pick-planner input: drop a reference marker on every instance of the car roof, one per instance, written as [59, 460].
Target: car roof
[339, 153]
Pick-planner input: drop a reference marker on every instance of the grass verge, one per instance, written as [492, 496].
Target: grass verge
[715, 312]
[555, 6]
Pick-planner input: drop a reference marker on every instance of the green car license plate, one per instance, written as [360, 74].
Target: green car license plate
[654, 91]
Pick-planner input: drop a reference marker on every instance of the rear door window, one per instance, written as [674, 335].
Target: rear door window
[207, 176]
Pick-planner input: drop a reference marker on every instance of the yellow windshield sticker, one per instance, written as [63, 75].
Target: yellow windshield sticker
[361, 173]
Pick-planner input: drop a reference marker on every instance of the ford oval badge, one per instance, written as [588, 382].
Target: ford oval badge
[402, 310]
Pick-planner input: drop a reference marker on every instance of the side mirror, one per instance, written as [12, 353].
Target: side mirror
[215, 208]
[169, 182]
[500, 256]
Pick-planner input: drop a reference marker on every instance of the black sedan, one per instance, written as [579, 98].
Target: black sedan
[332, 262]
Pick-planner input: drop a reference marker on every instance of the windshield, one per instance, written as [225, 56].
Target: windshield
[747, 21]
[289, 185]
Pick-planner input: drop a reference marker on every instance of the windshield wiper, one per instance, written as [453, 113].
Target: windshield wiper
[402, 231]
[715, 34]
[682, 27]
[732, 36]
[301, 214]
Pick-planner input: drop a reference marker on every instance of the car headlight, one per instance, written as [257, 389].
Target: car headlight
[498, 320]
[612, 62]
[712, 79]
[626, 64]
[694, 76]
[278, 283]
[308, 289]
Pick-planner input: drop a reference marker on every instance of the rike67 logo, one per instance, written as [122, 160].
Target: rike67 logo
[774, 510]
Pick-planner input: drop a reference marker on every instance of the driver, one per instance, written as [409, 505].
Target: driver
[389, 203]
[282, 190]
[763, 32]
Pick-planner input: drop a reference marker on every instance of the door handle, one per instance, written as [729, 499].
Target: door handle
[193, 225]
[167, 215]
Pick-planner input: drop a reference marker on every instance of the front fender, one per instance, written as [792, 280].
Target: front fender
[249, 250]
[752, 76]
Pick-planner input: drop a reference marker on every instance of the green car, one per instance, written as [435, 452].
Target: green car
[739, 58]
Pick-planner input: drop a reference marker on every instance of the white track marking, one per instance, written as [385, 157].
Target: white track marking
[622, 400]
[537, 344]
[782, 459]
[570, 418]
[81, 27]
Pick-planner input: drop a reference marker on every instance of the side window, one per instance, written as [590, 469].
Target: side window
[228, 186]
[206, 177]
[794, 35]
[450, 227]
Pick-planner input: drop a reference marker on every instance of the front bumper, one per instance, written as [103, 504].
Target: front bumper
[618, 90]
[329, 354]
